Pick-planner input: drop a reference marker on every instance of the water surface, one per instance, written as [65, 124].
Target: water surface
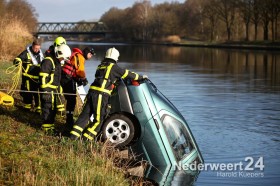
[230, 98]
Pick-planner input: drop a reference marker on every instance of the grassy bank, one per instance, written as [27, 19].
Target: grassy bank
[29, 157]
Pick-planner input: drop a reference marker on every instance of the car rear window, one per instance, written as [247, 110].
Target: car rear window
[178, 136]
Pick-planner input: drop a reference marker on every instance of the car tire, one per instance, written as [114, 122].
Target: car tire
[119, 130]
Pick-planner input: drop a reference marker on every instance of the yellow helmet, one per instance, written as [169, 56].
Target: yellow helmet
[59, 41]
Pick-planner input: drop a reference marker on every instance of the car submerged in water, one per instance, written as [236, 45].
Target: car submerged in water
[144, 121]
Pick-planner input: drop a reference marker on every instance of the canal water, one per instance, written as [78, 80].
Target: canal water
[230, 99]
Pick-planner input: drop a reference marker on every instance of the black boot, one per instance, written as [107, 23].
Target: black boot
[69, 121]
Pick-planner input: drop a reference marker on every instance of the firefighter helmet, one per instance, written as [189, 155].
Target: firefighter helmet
[112, 53]
[62, 51]
[59, 41]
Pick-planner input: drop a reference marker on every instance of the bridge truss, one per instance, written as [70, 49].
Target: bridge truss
[72, 28]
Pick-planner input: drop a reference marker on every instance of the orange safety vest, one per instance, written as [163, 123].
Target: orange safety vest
[75, 68]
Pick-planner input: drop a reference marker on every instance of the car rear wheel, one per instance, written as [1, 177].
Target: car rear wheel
[119, 130]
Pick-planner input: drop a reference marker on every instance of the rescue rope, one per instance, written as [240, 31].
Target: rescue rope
[40, 92]
[15, 78]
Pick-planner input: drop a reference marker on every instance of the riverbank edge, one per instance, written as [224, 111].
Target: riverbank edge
[249, 45]
[263, 46]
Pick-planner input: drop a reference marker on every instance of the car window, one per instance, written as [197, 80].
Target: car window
[177, 136]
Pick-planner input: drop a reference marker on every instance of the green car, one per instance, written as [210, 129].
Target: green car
[144, 121]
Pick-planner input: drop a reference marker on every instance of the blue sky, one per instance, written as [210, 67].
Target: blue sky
[77, 10]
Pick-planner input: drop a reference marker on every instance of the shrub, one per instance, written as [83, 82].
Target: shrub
[14, 36]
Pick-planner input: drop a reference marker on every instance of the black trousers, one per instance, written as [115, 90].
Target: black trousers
[28, 84]
[48, 104]
[96, 105]
[69, 90]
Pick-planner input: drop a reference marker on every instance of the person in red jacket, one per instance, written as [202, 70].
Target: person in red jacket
[73, 72]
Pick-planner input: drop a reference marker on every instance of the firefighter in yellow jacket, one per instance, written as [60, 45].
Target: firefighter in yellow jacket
[30, 59]
[73, 71]
[50, 76]
[57, 42]
[97, 98]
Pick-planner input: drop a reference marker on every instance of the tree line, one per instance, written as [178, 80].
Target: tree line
[212, 20]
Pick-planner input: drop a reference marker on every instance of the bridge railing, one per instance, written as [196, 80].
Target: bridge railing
[71, 28]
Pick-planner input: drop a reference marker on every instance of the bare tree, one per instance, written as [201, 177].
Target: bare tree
[193, 18]
[157, 20]
[169, 19]
[276, 18]
[212, 16]
[256, 15]
[264, 12]
[111, 18]
[142, 13]
[226, 9]
[274, 7]
[245, 9]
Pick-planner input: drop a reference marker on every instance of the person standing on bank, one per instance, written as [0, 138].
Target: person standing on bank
[73, 72]
[57, 42]
[30, 59]
[50, 76]
[97, 98]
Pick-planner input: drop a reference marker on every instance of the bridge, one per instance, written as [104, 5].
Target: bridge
[72, 28]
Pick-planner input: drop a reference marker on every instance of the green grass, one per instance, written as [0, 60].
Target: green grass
[5, 78]
[29, 157]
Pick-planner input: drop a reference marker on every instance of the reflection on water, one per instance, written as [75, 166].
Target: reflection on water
[173, 177]
[230, 98]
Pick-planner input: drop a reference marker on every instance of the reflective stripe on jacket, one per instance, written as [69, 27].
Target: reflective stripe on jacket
[28, 68]
[107, 74]
[50, 73]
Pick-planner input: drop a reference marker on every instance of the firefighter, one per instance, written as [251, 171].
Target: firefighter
[73, 72]
[49, 77]
[30, 59]
[57, 42]
[97, 98]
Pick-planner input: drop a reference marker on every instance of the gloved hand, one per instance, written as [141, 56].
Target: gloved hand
[46, 96]
[81, 82]
[145, 77]
[85, 82]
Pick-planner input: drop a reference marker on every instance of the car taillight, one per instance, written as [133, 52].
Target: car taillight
[135, 83]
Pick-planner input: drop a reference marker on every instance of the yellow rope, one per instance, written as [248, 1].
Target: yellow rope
[16, 76]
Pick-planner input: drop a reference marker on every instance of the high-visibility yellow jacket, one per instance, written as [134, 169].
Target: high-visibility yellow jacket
[107, 74]
[50, 73]
[30, 63]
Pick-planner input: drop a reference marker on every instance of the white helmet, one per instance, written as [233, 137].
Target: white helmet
[112, 53]
[62, 51]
